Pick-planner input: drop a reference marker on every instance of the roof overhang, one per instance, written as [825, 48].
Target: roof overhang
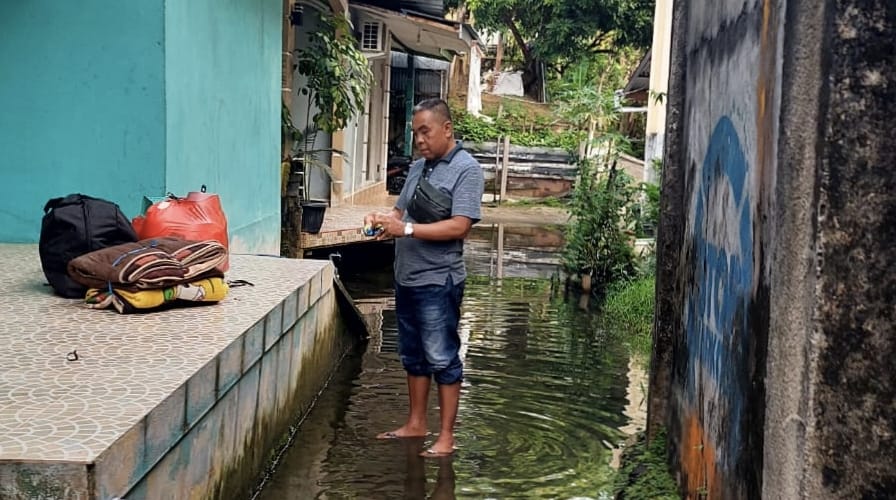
[640, 79]
[421, 35]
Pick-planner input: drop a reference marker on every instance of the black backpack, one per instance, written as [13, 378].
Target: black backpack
[73, 226]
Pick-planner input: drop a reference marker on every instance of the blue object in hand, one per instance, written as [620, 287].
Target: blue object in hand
[373, 231]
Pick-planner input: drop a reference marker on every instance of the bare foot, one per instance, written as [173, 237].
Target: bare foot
[443, 447]
[404, 431]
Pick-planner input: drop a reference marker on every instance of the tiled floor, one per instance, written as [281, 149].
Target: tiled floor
[343, 225]
[53, 409]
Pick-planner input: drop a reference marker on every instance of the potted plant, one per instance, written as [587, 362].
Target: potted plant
[338, 81]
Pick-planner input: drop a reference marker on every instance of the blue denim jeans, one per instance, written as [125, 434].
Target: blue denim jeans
[428, 341]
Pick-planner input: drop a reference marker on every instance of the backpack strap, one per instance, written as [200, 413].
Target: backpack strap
[52, 204]
[71, 199]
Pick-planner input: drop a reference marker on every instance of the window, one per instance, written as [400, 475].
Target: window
[372, 36]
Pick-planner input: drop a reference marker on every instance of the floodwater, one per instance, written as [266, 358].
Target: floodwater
[547, 394]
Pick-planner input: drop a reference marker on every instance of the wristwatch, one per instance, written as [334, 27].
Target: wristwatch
[409, 229]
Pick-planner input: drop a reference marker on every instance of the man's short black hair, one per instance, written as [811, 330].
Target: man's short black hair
[435, 106]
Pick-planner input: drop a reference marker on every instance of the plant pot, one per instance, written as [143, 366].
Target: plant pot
[313, 216]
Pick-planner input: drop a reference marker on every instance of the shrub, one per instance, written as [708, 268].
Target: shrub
[597, 242]
[522, 130]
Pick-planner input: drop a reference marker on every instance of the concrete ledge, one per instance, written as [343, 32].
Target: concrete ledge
[342, 225]
[182, 403]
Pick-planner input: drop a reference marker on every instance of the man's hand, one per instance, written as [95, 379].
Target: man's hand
[391, 224]
[388, 225]
[370, 218]
[371, 229]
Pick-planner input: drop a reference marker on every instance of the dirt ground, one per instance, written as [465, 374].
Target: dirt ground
[524, 214]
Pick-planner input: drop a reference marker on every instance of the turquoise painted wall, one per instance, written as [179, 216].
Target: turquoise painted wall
[222, 64]
[81, 106]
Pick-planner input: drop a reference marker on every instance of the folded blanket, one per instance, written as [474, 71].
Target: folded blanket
[197, 257]
[148, 264]
[126, 302]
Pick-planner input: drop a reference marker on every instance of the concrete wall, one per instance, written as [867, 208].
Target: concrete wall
[775, 255]
[81, 106]
[129, 99]
[833, 329]
[222, 68]
[729, 85]
[281, 363]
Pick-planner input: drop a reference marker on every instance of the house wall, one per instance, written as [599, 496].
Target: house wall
[659, 83]
[303, 110]
[776, 249]
[123, 100]
[222, 79]
[351, 169]
[379, 110]
[82, 98]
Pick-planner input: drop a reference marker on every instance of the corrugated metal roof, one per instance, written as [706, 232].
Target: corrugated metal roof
[430, 7]
[640, 79]
[400, 60]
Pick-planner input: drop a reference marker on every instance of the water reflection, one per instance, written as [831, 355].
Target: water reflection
[546, 397]
[514, 251]
[417, 485]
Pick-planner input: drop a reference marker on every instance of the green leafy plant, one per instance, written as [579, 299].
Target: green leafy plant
[629, 308]
[338, 82]
[547, 201]
[648, 210]
[657, 97]
[597, 239]
[585, 96]
[586, 104]
[645, 473]
[521, 128]
[288, 129]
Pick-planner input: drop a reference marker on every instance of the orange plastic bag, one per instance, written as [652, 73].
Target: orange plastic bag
[199, 216]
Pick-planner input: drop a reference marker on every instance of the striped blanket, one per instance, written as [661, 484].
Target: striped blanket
[149, 264]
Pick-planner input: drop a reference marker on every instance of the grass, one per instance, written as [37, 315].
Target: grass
[644, 472]
[628, 312]
[548, 201]
[491, 103]
[628, 309]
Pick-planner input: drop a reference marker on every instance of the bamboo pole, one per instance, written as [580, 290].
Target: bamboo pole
[504, 165]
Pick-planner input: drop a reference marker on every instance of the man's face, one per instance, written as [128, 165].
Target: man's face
[433, 135]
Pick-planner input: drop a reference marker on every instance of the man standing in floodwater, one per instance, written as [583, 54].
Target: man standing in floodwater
[438, 205]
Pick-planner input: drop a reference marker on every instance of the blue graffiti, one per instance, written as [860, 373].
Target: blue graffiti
[721, 290]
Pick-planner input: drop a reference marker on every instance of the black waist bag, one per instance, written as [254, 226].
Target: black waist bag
[429, 203]
[73, 226]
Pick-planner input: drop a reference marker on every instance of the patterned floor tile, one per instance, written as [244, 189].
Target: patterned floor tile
[343, 225]
[53, 409]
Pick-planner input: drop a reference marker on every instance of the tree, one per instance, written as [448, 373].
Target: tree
[562, 32]
[585, 94]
